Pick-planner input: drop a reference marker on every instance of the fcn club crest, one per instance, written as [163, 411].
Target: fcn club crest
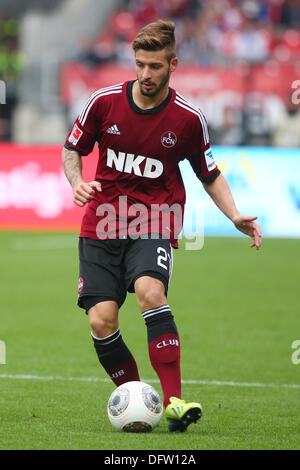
[168, 139]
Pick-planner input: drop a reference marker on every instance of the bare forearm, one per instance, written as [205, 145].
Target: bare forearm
[221, 194]
[83, 192]
[72, 166]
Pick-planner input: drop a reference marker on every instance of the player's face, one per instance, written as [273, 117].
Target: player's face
[153, 71]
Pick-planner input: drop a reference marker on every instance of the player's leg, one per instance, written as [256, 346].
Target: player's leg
[150, 264]
[163, 339]
[101, 294]
[148, 271]
[112, 352]
[103, 318]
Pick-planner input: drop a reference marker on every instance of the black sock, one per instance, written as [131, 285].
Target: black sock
[115, 358]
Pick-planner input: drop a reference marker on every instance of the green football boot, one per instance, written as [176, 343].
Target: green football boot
[180, 414]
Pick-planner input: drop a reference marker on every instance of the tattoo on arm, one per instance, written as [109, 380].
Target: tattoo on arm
[72, 165]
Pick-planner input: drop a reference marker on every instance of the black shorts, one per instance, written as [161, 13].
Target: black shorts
[109, 268]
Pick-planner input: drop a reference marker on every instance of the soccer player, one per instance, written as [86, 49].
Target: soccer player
[143, 129]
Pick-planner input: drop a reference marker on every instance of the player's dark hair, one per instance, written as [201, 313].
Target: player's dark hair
[157, 36]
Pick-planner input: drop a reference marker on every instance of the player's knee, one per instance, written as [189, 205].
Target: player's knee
[151, 296]
[102, 322]
[102, 327]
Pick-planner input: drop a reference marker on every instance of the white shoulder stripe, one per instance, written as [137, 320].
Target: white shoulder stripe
[203, 123]
[83, 116]
[183, 100]
[114, 87]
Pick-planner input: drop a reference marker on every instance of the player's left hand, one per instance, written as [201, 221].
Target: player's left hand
[246, 224]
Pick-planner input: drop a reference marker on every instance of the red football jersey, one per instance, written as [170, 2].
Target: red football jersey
[139, 153]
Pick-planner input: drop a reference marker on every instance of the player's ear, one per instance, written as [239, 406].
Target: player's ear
[173, 63]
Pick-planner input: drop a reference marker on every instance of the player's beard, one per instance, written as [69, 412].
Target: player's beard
[156, 88]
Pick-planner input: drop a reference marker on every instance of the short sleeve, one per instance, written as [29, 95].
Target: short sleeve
[83, 135]
[200, 154]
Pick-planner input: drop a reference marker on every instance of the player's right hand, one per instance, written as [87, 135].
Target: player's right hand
[84, 192]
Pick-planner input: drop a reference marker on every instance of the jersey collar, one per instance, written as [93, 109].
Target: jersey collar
[155, 110]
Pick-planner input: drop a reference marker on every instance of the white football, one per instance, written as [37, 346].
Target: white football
[135, 407]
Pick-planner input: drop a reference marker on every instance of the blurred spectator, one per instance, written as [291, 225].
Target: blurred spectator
[10, 67]
[226, 33]
[290, 14]
[92, 54]
[256, 125]
[208, 32]
[287, 132]
[251, 44]
[230, 130]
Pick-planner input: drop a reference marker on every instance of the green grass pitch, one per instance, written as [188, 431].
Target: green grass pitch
[237, 311]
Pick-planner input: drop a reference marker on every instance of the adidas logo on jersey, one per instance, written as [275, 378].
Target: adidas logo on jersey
[114, 130]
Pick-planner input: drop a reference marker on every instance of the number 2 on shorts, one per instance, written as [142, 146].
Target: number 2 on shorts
[162, 257]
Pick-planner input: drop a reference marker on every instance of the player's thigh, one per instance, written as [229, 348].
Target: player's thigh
[149, 258]
[101, 276]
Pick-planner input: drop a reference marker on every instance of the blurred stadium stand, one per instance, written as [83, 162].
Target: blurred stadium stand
[47, 32]
[239, 61]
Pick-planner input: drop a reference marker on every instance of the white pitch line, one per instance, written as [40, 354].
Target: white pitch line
[185, 382]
